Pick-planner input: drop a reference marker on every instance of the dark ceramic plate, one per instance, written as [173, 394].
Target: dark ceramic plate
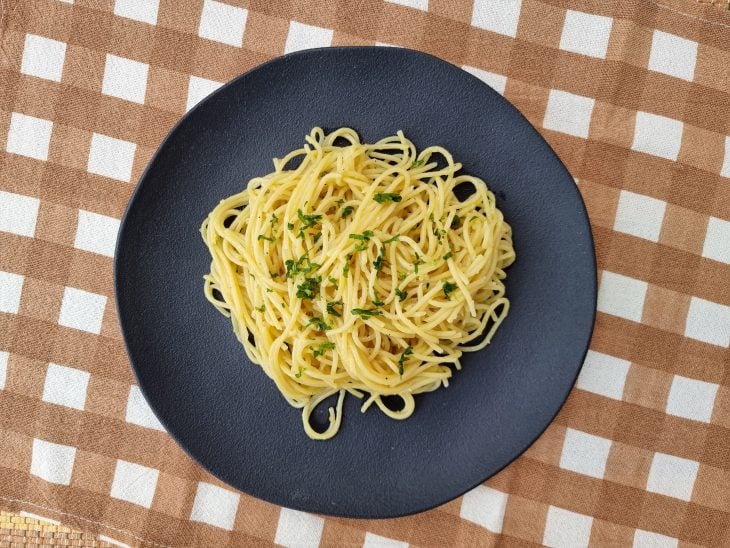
[227, 414]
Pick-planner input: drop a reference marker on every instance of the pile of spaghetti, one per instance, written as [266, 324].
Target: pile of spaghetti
[354, 268]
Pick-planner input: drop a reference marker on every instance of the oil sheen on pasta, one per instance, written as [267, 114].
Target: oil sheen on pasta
[354, 268]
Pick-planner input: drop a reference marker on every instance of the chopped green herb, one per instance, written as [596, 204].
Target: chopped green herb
[307, 221]
[346, 270]
[393, 239]
[309, 289]
[273, 275]
[261, 308]
[303, 265]
[402, 276]
[290, 226]
[299, 375]
[269, 290]
[331, 308]
[319, 324]
[377, 302]
[449, 287]
[267, 238]
[402, 295]
[334, 282]
[360, 247]
[367, 313]
[364, 237]
[380, 260]
[456, 222]
[418, 262]
[403, 357]
[274, 220]
[340, 201]
[448, 256]
[322, 348]
[418, 163]
[317, 236]
[347, 211]
[382, 197]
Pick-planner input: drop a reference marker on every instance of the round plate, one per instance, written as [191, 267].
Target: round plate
[227, 414]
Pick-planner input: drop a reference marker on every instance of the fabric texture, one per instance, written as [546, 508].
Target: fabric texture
[633, 95]
[24, 529]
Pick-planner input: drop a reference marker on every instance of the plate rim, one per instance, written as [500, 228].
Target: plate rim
[583, 212]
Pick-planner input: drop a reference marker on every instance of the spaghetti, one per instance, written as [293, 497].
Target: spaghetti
[355, 268]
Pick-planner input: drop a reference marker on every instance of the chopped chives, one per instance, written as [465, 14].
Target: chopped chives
[403, 357]
[322, 348]
[448, 288]
[319, 324]
[331, 308]
[309, 289]
[366, 312]
[382, 197]
[365, 236]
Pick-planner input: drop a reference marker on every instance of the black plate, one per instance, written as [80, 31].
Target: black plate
[227, 414]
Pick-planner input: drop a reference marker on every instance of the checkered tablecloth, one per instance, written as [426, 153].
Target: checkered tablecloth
[633, 95]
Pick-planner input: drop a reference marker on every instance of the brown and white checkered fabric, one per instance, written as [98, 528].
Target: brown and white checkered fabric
[633, 95]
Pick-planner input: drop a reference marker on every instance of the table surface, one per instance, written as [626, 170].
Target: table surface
[634, 97]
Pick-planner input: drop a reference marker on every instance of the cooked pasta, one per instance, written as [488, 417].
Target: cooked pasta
[355, 268]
